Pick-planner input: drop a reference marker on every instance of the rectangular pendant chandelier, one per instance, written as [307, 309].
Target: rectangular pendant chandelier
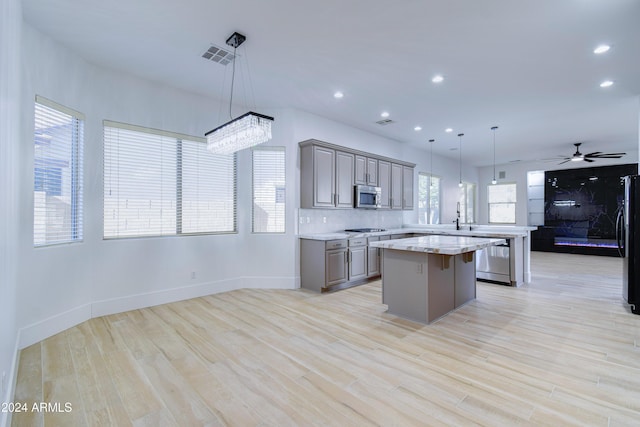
[245, 131]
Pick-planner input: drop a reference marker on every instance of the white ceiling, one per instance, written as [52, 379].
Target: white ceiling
[526, 66]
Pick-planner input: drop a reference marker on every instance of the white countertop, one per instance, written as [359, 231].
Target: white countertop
[438, 244]
[501, 232]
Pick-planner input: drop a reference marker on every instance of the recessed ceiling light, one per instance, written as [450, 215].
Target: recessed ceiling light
[606, 83]
[437, 79]
[417, 128]
[448, 130]
[338, 95]
[384, 114]
[601, 49]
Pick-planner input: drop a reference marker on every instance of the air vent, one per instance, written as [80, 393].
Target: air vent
[385, 122]
[502, 174]
[219, 55]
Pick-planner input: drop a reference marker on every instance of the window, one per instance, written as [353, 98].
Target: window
[428, 199]
[467, 200]
[268, 190]
[159, 183]
[57, 183]
[502, 203]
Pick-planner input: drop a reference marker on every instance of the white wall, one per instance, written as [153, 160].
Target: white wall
[10, 50]
[62, 285]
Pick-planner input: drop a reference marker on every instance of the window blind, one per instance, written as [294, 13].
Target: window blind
[208, 190]
[58, 158]
[159, 183]
[268, 215]
[502, 203]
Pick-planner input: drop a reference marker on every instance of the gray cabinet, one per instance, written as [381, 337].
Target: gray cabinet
[373, 258]
[323, 263]
[407, 188]
[328, 173]
[357, 259]
[336, 267]
[366, 170]
[384, 182]
[326, 177]
[344, 180]
[397, 193]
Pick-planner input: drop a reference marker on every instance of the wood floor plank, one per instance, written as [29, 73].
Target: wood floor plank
[562, 350]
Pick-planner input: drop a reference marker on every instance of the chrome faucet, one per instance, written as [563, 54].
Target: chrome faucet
[457, 221]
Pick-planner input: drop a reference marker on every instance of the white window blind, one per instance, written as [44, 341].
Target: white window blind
[502, 203]
[268, 214]
[158, 183]
[467, 200]
[428, 199]
[57, 190]
[208, 190]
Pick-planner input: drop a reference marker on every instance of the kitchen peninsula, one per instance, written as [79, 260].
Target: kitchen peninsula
[424, 278]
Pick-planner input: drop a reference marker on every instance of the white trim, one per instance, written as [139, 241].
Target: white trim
[50, 326]
[63, 109]
[136, 128]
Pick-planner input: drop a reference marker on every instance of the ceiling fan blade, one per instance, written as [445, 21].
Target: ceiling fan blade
[562, 163]
[588, 160]
[595, 153]
[608, 156]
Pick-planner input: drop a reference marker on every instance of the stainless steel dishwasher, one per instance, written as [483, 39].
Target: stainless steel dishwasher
[494, 264]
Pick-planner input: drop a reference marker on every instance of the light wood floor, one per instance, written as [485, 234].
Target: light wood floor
[561, 351]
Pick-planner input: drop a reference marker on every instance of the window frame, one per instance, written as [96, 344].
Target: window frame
[75, 186]
[259, 149]
[465, 204]
[179, 173]
[514, 203]
[427, 201]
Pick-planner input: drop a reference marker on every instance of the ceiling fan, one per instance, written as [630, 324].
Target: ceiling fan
[578, 156]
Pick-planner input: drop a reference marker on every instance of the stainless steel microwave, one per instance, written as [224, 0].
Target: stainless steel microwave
[368, 197]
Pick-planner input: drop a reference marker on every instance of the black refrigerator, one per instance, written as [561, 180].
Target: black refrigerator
[628, 236]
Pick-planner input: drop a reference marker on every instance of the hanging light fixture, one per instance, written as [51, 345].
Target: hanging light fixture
[246, 131]
[460, 135]
[431, 141]
[494, 181]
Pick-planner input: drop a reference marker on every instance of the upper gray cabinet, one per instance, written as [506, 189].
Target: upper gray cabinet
[326, 178]
[366, 170]
[329, 172]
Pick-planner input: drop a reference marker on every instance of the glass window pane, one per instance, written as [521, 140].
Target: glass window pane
[268, 215]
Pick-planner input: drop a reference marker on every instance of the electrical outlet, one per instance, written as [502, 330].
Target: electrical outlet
[193, 275]
[324, 219]
[301, 220]
[308, 220]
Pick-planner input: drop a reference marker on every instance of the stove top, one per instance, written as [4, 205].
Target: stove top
[364, 230]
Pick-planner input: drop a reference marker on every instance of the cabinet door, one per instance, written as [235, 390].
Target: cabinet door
[372, 172]
[357, 263]
[384, 182]
[336, 266]
[440, 285]
[361, 170]
[324, 177]
[373, 262]
[344, 179]
[396, 186]
[407, 187]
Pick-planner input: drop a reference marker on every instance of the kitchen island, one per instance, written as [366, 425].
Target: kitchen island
[424, 278]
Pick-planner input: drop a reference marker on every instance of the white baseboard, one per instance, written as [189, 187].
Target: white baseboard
[48, 327]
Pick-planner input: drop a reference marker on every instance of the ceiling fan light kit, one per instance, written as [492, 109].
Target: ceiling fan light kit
[579, 157]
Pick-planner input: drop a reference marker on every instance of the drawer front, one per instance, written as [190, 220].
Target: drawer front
[373, 239]
[359, 241]
[336, 244]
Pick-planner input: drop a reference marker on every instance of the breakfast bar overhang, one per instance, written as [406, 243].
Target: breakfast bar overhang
[424, 278]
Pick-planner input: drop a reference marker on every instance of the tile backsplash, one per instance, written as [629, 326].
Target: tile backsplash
[331, 220]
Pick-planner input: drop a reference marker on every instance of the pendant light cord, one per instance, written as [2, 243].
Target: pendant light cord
[494, 128]
[233, 78]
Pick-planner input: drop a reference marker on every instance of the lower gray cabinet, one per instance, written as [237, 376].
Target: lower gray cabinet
[335, 262]
[357, 259]
[373, 258]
